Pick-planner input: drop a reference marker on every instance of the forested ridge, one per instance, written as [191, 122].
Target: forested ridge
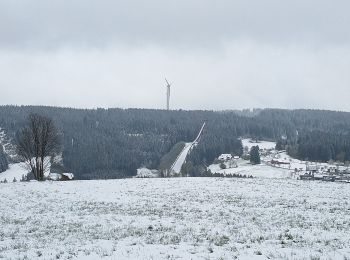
[3, 160]
[111, 143]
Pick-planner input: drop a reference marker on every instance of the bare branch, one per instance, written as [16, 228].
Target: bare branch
[37, 143]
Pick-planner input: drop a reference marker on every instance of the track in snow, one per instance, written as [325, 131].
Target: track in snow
[180, 160]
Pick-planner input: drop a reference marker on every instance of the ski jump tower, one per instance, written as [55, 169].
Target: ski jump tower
[168, 85]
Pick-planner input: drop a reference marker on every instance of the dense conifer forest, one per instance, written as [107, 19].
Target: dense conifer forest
[3, 160]
[111, 143]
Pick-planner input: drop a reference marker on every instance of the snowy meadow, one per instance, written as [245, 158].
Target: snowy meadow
[178, 218]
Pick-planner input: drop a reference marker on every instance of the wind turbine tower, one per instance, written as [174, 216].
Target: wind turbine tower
[167, 94]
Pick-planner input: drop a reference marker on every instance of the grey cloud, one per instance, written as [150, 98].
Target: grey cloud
[181, 23]
[221, 54]
[242, 75]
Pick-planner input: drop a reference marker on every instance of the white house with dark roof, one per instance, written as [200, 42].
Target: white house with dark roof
[225, 157]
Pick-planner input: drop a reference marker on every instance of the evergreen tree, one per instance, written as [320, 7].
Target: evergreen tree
[3, 160]
[255, 155]
[222, 166]
[279, 145]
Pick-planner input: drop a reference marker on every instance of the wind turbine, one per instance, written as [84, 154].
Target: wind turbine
[168, 94]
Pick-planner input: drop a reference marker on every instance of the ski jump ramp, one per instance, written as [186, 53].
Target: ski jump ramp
[181, 159]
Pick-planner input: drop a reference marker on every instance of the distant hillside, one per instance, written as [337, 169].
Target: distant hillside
[110, 143]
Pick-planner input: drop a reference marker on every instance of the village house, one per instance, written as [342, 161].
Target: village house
[225, 157]
[61, 176]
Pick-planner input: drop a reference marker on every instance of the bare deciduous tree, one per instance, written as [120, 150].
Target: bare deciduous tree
[37, 143]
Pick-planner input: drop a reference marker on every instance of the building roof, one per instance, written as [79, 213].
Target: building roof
[68, 175]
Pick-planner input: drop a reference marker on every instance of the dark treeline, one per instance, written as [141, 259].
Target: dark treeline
[3, 160]
[110, 143]
[321, 146]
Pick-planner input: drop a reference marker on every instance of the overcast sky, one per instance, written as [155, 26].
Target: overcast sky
[223, 54]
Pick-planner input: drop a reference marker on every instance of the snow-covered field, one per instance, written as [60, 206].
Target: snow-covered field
[16, 170]
[262, 144]
[256, 171]
[178, 218]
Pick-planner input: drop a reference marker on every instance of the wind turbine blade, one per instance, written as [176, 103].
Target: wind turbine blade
[167, 82]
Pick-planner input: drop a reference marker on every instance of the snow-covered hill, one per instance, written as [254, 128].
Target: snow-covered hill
[291, 169]
[18, 170]
[177, 218]
[15, 171]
